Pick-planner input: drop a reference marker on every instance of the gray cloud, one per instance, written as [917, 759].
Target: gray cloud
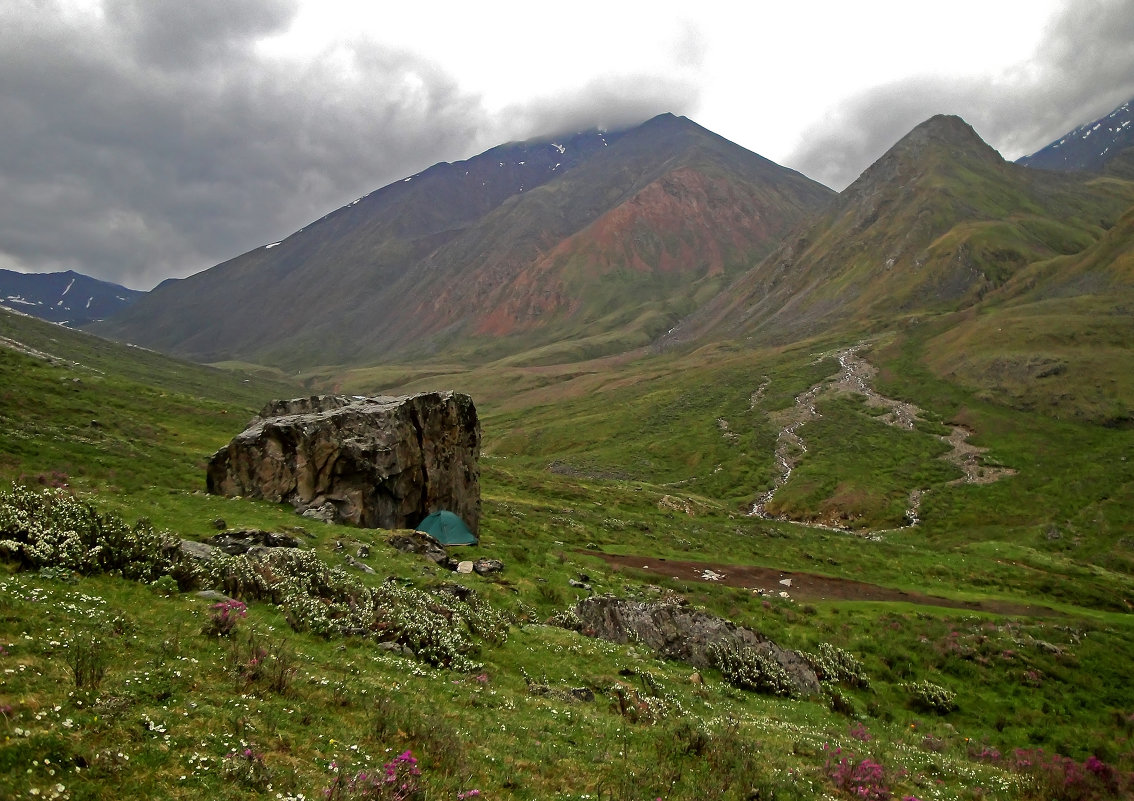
[133, 152]
[176, 34]
[610, 103]
[1084, 68]
[153, 140]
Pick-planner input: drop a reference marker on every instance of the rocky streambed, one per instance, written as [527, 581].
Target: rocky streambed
[856, 375]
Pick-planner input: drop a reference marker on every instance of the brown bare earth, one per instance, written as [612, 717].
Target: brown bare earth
[804, 586]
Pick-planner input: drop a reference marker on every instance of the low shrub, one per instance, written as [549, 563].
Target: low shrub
[399, 780]
[87, 657]
[247, 768]
[748, 669]
[833, 664]
[223, 617]
[1059, 778]
[926, 696]
[51, 528]
[436, 627]
[256, 662]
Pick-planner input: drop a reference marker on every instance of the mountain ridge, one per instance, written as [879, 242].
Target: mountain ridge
[935, 224]
[67, 297]
[1089, 147]
[422, 264]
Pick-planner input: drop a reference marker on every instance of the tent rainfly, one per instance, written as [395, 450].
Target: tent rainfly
[447, 528]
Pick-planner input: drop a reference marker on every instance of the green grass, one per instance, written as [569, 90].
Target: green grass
[630, 459]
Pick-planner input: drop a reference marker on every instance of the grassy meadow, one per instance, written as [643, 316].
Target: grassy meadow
[1014, 686]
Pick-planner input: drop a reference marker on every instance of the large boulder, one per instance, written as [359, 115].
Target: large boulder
[677, 631]
[381, 462]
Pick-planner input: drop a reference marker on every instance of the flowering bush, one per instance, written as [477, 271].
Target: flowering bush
[223, 618]
[436, 627]
[246, 767]
[1060, 778]
[567, 619]
[400, 780]
[836, 665]
[51, 528]
[748, 669]
[857, 778]
[930, 697]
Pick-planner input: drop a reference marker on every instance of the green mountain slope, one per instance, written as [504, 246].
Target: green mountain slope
[1057, 339]
[935, 225]
[99, 416]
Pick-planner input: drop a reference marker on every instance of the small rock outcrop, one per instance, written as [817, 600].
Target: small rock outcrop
[381, 462]
[677, 631]
[418, 542]
[235, 543]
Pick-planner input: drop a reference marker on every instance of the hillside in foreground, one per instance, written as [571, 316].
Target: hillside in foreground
[984, 648]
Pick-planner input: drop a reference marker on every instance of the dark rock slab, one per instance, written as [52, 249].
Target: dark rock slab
[677, 631]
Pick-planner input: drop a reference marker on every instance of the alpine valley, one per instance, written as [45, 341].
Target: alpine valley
[886, 434]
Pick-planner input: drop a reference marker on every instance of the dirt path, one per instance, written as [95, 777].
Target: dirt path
[857, 376]
[802, 586]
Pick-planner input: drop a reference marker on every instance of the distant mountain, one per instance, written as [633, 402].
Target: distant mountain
[1091, 146]
[936, 224]
[588, 244]
[69, 298]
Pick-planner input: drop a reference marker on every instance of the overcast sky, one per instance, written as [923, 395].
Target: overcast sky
[148, 139]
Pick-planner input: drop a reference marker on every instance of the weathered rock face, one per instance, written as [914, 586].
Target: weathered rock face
[677, 631]
[382, 462]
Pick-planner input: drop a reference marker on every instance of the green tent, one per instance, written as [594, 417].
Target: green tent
[447, 529]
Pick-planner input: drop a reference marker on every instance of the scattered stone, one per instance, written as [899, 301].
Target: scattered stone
[465, 567]
[488, 567]
[584, 694]
[418, 542]
[323, 514]
[582, 585]
[213, 595]
[458, 591]
[382, 462]
[394, 648]
[696, 679]
[363, 552]
[357, 565]
[235, 543]
[198, 550]
[786, 582]
[219, 524]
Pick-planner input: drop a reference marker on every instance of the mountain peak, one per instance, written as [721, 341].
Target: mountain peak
[942, 139]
